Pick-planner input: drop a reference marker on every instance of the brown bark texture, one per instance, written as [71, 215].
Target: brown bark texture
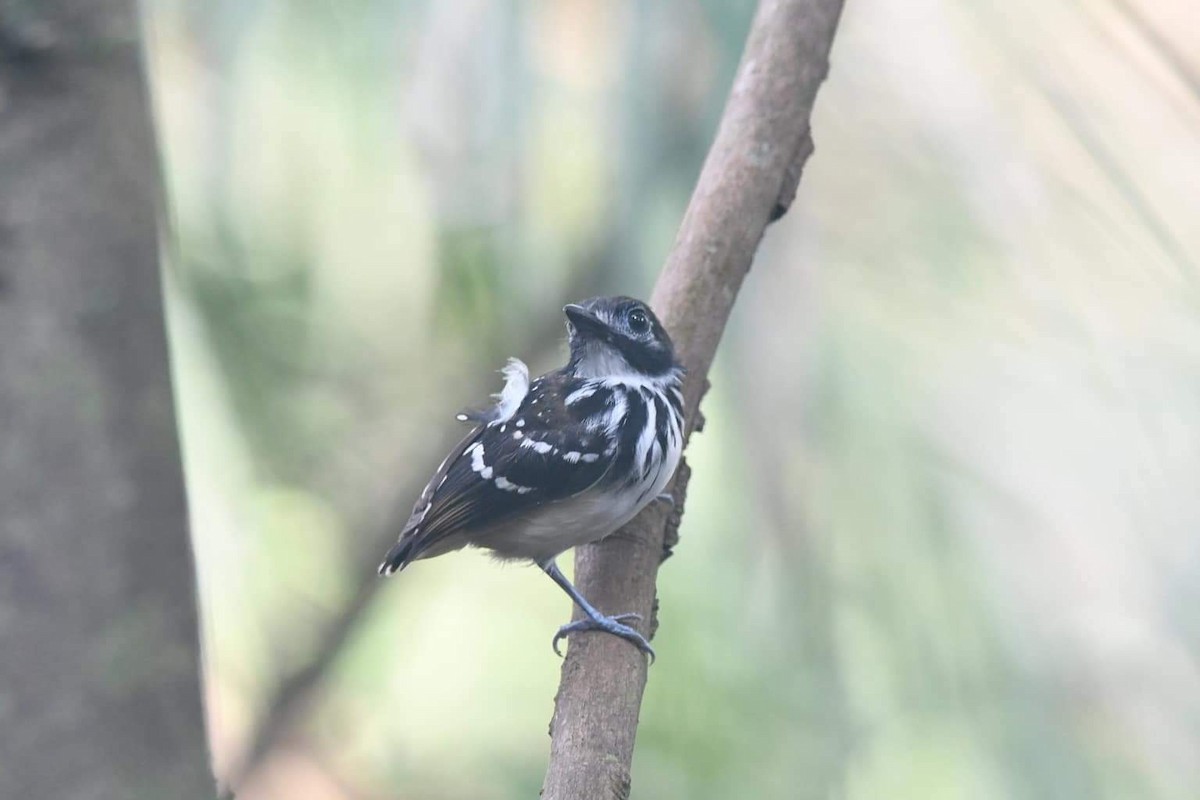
[748, 181]
[99, 654]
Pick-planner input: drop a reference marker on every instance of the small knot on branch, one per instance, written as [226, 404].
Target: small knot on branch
[791, 177]
[683, 474]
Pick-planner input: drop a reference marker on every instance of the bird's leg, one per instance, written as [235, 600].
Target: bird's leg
[595, 621]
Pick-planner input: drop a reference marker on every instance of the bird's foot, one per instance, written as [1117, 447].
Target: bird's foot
[614, 625]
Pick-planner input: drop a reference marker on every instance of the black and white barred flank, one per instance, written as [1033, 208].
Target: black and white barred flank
[566, 459]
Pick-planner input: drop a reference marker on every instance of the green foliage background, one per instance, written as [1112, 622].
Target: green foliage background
[941, 541]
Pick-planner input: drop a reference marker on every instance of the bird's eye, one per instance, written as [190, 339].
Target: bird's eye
[638, 321]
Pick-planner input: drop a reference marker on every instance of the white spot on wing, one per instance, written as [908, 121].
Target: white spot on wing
[476, 451]
[508, 486]
[538, 446]
[588, 458]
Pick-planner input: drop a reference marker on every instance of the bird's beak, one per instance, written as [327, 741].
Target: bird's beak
[586, 322]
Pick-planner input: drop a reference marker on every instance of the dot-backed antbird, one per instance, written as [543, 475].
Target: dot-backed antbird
[564, 460]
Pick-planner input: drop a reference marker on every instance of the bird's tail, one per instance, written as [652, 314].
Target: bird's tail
[398, 557]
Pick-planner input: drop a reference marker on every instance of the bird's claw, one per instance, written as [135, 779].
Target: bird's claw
[613, 625]
[667, 498]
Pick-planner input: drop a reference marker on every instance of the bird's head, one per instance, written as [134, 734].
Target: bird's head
[613, 336]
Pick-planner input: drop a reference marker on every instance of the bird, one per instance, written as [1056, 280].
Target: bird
[563, 460]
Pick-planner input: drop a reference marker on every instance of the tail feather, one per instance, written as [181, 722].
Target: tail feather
[398, 557]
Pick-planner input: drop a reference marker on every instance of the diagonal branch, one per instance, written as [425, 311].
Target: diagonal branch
[748, 181]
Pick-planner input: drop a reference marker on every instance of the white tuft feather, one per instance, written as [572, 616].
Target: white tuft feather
[516, 386]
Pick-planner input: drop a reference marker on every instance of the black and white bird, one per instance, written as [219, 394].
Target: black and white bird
[564, 460]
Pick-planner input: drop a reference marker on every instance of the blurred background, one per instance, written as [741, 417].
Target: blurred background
[941, 540]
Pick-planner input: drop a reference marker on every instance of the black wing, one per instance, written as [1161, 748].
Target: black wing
[541, 454]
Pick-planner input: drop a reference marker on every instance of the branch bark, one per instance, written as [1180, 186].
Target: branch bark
[748, 181]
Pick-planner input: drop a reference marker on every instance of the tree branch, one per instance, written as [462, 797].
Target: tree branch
[748, 181]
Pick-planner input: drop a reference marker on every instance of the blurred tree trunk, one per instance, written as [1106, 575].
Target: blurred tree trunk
[99, 657]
